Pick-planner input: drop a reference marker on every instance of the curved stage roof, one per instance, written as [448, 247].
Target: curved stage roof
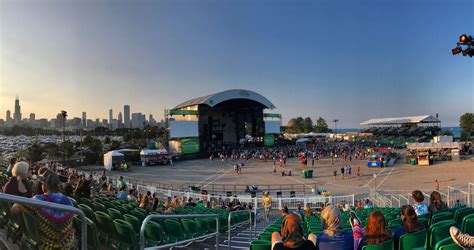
[216, 98]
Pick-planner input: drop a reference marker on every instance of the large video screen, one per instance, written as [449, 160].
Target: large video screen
[272, 127]
[180, 129]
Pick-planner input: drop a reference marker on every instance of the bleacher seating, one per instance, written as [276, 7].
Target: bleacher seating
[435, 237]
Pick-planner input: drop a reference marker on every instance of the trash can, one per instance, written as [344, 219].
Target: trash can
[303, 173]
[412, 161]
[384, 164]
[310, 173]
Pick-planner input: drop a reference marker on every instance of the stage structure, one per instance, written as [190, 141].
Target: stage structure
[221, 120]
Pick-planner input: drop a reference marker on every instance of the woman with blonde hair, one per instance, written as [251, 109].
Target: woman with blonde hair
[333, 236]
[18, 184]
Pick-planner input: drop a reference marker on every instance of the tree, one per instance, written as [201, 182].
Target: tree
[321, 126]
[107, 140]
[307, 125]
[35, 152]
[68, 147]
[51, 150]
[466, 122]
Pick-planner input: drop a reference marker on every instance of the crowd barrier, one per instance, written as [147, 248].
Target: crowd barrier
[457, 197]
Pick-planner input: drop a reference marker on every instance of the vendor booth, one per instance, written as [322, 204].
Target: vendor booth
[112, 158]
[154, 157]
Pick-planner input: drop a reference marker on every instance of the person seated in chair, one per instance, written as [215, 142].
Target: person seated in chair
[292, 236]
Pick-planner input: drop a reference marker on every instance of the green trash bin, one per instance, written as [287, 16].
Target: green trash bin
[412, 161]
[304, 174]
[310, 173]
[384, 164]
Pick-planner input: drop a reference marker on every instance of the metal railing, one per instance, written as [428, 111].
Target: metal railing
[54, 206]
[176, 216]
[229, 226]
[457, 197]
[470, 191]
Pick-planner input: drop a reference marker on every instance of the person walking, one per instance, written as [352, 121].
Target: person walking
[436, 185]
[358, 171]
[274, 168]
[267, 205]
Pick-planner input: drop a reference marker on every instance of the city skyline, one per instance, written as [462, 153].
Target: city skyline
[112, 122]
[346, 60]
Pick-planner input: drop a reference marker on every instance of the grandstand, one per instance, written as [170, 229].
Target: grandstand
[111, 223]
[410, 128]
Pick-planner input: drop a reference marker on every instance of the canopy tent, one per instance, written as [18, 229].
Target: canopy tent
[112, 157]
[302, 140]
[401, 120]
[147, 151]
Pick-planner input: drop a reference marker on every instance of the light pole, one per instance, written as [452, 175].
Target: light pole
[375, 183]
[64, 115]
[335, 125]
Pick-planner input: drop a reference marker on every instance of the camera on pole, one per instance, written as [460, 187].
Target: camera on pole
[465, 46]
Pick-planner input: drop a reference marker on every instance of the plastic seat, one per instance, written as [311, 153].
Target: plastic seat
[447, 244]
[134, 222]
[92, 236]
[31, 236]
[99, 207]
[438, 232]
[105, 227]
[114, 214]
[441, 216]
[87, 211]
[138, 214]
[461, 213]
[174, 230]
[203, 225]
[154, 234]
[74, 202]
[468, 224]
[387, 245]
[87, 202]
[125, 234]
[412, 240]
[190, 227]
[260, 245]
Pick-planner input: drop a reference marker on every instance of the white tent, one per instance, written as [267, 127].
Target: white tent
[147, 151]
[109, 159]
[302, 140]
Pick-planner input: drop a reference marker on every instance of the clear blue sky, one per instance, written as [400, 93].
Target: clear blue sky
[352, 60]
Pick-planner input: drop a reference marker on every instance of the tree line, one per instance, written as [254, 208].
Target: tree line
[305, 125]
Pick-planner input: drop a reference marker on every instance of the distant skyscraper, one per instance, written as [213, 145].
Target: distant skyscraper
[126, 114]
[119, 120]
[32, 119]
[111, 116]
[137, 120]
[17, 114]
[8, 118]
[84, 119]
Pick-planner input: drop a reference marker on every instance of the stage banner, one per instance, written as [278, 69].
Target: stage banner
[269, 140]
[190, 145]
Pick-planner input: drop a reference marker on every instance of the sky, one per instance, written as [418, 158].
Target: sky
[352, 60]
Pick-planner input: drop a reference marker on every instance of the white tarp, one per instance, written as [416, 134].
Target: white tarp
[147, 151]
[272, 127]
[181, 129]
[302, 140]
[109, 159]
